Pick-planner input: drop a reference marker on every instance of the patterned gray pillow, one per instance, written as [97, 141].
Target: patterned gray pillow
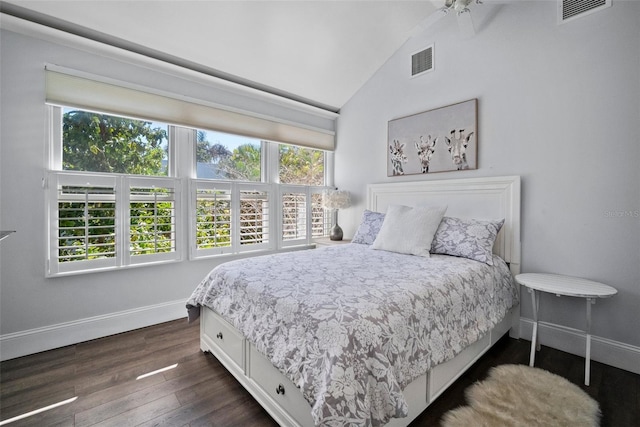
[369, 228]
[467, 238]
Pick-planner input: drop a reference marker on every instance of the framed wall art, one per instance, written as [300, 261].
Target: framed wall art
[439, 140]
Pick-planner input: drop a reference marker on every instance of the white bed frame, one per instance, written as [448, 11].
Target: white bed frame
[479, 198]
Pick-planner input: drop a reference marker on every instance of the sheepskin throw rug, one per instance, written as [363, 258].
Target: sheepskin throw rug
[519, 396]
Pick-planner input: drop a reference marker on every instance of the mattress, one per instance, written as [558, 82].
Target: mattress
[351, 326]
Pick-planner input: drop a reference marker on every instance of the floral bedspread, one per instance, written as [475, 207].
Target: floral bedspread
[352, 326]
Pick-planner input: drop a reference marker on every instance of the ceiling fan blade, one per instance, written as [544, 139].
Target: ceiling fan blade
[465, 23]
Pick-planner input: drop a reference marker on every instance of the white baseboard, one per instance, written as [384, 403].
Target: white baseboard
[49, 337]
[609, 352]
[613, 353]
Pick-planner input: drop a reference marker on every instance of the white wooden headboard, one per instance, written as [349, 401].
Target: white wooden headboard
[478, 198]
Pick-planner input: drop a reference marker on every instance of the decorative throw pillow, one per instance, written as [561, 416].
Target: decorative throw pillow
[369, 228]
[467, 238]
[409, 230]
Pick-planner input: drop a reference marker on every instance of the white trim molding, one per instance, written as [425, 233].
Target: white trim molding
[49, 337]
[610, 352]
[603, 350]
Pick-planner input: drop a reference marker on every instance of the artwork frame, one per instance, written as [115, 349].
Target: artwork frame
[440, 140]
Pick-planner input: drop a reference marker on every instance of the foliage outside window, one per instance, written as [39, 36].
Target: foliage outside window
[94, 142]
[228, 157]
[299, 165]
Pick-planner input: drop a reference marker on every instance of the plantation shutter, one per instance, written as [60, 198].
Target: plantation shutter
[100, 222]
[320, 218]
[152, 219]
[212, 225]
[120, 99]
[294, 215]
[83, 225]
[254, 217]
[300, 206]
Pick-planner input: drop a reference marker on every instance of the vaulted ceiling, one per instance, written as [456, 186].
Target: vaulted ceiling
[319, 52]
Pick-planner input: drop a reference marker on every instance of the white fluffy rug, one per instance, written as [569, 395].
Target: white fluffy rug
[521, 396]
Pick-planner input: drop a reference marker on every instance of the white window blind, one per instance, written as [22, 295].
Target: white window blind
[119, 98]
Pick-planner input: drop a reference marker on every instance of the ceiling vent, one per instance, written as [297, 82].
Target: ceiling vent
[422, 62]
[571, 9]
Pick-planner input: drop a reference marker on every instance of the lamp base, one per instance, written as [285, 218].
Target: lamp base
[336, 232]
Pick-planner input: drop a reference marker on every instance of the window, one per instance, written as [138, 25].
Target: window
[320, 218]
[115, 193]
[152, 218]
[303, 216]
[299, 165]
[106, 221]
[94, 142]
[294, 215]
[86, 222]
[231, 217]
[213, 226]
[224, 156]
[254, 217]
[234, 201]
[111, 202]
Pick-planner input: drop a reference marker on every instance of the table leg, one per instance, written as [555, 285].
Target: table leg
[587, 357]
[535, 301]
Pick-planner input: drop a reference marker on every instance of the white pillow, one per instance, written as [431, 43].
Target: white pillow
[408, 230]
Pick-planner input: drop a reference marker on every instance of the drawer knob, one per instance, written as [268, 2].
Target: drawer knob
[280, 389]
[219, 335]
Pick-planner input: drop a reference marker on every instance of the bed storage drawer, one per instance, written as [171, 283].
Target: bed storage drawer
[279, 388]
[224, 335]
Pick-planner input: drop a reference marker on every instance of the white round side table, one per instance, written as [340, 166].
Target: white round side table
[563, 286]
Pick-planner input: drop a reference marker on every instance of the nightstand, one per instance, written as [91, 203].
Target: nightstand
[563, 286]
[325, 241]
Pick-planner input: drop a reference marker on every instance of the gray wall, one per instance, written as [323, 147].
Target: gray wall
[558, 105]
[28, 300]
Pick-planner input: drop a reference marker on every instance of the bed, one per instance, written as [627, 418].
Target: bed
[363, 335]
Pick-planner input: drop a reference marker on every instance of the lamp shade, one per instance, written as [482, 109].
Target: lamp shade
[336, 199]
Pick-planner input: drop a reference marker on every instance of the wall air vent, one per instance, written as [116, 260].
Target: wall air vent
[422, 62]
[571, 9]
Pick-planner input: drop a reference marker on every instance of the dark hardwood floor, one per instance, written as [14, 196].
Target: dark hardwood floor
[200, 392]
